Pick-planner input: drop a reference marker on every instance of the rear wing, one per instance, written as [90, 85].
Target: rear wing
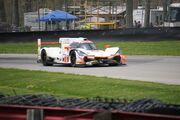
[40, 43]
[65, 42]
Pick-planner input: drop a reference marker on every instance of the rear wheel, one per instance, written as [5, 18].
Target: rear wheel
[44, 58]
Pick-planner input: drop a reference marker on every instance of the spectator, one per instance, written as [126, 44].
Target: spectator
[135, 24]
[139, 24]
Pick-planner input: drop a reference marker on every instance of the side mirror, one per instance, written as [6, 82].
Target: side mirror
[67, 48]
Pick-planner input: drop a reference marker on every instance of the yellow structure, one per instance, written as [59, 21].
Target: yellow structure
[89, 26]
[106, 9]
[113, 24]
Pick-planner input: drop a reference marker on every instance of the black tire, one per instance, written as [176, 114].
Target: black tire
[113, 64]
[117, 58]
[73, 58]
[44, 58]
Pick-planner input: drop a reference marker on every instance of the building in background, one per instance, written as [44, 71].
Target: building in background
[21, 13]
[156, 17]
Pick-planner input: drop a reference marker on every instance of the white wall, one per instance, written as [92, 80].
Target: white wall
[156, 16]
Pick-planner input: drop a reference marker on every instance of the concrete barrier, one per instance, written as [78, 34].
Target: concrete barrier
[132, 34]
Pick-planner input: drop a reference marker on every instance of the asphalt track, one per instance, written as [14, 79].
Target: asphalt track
[161, 69]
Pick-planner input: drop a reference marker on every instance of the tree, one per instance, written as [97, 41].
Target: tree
[2, 11]
[147, 13]
[129, 13]
[16, 12]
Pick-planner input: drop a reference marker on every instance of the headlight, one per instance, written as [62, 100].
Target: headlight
[80, 53]
[123, 56]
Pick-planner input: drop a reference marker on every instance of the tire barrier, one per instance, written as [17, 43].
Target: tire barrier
[144, 105]
[130, 34]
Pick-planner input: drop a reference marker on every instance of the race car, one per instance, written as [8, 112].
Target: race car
[78, 52]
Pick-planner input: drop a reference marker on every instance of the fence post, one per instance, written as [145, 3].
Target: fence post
[35, 114]
[105, 115]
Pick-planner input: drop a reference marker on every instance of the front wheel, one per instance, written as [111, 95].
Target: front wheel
[73, 58]
[113, 64]
[118, 61]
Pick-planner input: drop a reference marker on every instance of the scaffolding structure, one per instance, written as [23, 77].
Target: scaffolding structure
[96, 12]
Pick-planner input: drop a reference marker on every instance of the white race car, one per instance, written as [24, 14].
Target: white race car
[78, 52]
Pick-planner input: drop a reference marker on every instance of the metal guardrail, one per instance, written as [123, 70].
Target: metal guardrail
[15, 112]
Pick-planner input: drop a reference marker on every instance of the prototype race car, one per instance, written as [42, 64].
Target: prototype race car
[78, 52]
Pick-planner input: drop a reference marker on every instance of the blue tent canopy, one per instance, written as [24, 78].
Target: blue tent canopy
[58, 16]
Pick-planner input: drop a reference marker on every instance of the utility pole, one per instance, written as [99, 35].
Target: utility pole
[129, 13]
[147, 13]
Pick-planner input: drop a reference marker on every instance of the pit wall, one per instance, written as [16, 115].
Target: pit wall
[131, 34]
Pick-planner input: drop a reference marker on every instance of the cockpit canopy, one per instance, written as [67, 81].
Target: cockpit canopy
[86, 46]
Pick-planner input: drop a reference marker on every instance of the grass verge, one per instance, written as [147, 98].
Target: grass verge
[163, 48]
[70, 85]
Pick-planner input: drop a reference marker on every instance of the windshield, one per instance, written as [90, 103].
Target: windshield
[174, 14]
[88, 46]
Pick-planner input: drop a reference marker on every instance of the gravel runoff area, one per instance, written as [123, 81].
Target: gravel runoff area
[145, 105]
[161, 69]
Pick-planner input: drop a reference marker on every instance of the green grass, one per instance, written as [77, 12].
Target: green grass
[163, 48]
[70, 85]
[26, 48]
